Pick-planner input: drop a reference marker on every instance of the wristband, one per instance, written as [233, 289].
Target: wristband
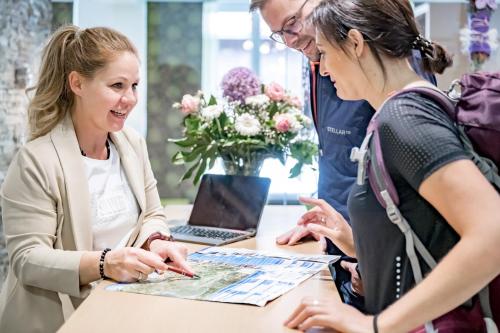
[158, 235]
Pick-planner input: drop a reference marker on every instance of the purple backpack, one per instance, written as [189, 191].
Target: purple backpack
[476, 113]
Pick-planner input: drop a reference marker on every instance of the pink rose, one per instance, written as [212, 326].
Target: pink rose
[295, 101]
[283, 123]
[274, 91]
[189, 104]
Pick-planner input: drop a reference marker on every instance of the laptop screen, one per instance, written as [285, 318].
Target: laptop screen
[232, 202]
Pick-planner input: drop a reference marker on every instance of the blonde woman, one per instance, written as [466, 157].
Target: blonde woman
[79, 202]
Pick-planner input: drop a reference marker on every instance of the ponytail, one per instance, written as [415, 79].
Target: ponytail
[52, 97]
[437, 60]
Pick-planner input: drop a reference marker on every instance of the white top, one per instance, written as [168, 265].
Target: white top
[113, 206]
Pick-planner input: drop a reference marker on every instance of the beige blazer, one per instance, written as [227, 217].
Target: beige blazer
[46, 216]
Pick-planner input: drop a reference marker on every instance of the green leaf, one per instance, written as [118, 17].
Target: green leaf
[228, 144]
[195, 153]
[295, 171]
[273, 109]
[212, 100]
[211, 152]
[189, 173]
[212, 162]
[282, 158]
[201, 170]
[184, 142]
[223, 118]
[192, 123]
[178, 158]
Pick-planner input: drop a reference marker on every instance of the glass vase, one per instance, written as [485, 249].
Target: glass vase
[241, 167]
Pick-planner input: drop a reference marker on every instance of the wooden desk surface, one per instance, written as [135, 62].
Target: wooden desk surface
[114, 312]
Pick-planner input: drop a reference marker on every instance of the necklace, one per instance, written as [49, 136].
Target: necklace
[107, 150]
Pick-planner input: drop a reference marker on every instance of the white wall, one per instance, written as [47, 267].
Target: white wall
[130, 18]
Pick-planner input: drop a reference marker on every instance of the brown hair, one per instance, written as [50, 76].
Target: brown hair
[69, 49]
[388, 27]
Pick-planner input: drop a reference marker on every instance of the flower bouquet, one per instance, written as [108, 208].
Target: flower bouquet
[251, 123]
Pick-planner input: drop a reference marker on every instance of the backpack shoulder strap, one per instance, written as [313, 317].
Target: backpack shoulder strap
[386, 193]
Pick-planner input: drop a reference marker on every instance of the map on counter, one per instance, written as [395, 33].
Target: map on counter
[232, 275]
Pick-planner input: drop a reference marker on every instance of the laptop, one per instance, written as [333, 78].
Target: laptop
[226, 209]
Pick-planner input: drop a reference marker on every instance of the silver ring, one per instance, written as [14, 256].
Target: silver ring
[322, 220]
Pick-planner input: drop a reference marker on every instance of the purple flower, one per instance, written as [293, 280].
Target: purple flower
[240, 83]
[481, 4]
[479, 23]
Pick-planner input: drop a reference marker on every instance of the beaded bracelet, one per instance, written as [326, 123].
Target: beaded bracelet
[375, 326]
[101, 262]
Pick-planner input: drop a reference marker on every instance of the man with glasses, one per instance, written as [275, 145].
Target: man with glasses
[340, 125]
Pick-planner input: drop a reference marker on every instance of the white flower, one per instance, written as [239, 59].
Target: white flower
[295, 111]
[257, 100]
[247, 124]
[306, 120]
[211, 112]
[296, 126]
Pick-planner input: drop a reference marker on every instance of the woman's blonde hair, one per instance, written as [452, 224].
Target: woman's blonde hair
[69, 49]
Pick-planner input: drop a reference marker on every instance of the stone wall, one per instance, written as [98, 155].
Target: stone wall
[171, 74]
[24, 27]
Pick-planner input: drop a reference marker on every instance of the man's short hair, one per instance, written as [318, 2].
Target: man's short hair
[257, 5]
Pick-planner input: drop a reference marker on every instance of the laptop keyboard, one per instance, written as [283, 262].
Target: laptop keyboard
[202, 232]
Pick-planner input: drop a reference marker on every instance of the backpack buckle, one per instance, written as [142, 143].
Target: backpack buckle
[454, 92]
[360, 155]
[393, 212]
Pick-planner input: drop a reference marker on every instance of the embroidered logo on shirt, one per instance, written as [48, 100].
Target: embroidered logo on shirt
[111, 205]
[338, 131]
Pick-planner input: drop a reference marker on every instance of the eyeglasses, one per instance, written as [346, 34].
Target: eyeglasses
[291, 27]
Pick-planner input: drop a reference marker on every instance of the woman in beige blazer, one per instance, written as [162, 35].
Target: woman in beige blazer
[86, 90]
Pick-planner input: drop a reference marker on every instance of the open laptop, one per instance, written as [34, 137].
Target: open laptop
[226, 209]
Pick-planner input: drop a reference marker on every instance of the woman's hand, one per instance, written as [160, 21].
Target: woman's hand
[356, 282]
[298, 234]
[174, 252]
[323, 219]
[331, 313]
[130, 264]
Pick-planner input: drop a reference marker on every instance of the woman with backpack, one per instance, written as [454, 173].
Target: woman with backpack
[448, 203]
